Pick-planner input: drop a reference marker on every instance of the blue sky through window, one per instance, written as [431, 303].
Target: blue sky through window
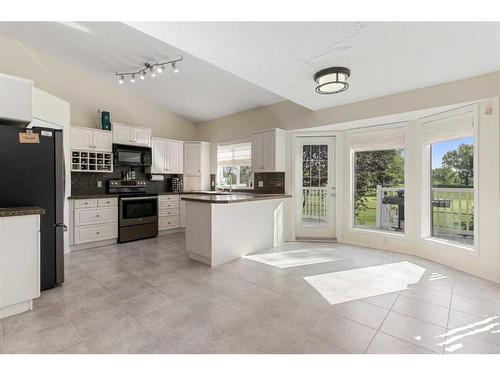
[441, 148]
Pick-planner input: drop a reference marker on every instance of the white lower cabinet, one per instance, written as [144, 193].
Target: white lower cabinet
[94, 220]
[96, 233]
[168, 212]
[95, 216]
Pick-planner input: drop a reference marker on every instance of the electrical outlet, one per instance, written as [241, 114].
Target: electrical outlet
[261, 183]
[99, 183]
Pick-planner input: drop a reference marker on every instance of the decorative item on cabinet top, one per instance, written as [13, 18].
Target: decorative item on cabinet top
[91, 150]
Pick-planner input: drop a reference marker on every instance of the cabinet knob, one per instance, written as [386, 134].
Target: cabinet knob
[97, 233]
[96, 215]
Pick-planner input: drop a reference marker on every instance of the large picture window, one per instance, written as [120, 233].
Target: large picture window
[234, 166]
[378, 178]
[450, 145]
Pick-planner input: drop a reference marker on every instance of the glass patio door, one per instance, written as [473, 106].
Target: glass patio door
[315, 187]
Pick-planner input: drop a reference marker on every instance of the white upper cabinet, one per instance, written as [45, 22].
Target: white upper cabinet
[91, 139]
[15, 99]
[129, 135]
[158, 148]
[175, 157]
[48, 108]
[123, 134]
[167, 156]
[102, 140]
[192, 159]
[196, 166]
[268, 151]
[142, 137]
[81, 138]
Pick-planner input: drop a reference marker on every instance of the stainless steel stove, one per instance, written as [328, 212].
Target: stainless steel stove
[137, 210]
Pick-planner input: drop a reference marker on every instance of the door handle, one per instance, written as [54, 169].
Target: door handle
[61, 225]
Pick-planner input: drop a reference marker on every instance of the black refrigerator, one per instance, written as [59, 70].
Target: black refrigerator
[32, 174]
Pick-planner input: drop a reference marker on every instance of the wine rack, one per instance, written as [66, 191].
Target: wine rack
[85, 161]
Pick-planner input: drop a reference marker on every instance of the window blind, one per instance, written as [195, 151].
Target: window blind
[235, 154]
[453, 127]
[378, 139]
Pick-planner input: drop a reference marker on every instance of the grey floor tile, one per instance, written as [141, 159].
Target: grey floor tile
[74, 305]
[125, 336]
[148, 297]
[75, 349]
[386, 344]
[146, 303]
[312, 344]
[48, 340]
[471, 345]
[46, 299]
[428, 295]
[361, 312]
[270, 338]
[384, 300]
[427, 312]
[31, 321]
[91, 323]
[417, 332]
[345, 333]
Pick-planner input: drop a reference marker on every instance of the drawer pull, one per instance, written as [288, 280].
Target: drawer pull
[97, 215]
[86, 203]
[97, 233]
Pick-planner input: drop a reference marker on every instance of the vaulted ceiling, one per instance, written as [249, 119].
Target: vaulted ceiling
[230, 67]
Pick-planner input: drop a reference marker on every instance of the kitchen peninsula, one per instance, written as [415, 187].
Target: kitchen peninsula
[221, 228]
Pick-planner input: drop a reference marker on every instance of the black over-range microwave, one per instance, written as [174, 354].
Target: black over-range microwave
[132, 155]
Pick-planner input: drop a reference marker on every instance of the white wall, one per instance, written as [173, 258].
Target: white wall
[485, 262]
[86, 94]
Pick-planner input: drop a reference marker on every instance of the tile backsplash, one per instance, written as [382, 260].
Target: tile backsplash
[272, 182]
[86, 183]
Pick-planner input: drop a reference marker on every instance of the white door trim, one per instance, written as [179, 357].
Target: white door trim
[297, 139]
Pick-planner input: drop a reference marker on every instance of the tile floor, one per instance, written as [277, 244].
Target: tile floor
[147, 297]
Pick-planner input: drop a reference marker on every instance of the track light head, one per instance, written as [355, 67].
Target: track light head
[176, 69]
[142, 75]
[153, 73]
[121, 80]
[159, 69]
[132, 79]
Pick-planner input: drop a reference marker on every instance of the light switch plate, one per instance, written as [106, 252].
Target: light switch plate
[99, 183]
[261, 183]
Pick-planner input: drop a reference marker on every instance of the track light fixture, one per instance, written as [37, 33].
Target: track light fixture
[154, 68]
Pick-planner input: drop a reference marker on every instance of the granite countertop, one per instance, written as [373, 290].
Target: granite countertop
[21, 211]
[93, 196]
[242, 194]
[233, 198]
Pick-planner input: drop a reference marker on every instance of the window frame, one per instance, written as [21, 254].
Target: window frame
[352, 227]
[426, 181]
[217, 179]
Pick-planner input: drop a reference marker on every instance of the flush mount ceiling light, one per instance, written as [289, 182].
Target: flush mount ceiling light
[332, 80]
[152, 69]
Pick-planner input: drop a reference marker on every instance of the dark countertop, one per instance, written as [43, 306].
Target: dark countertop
[104, 195]
[21, 211]
[233, 198]
[93, 196]
[242, 194]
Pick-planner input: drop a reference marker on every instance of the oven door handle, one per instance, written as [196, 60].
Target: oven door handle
[138, 198]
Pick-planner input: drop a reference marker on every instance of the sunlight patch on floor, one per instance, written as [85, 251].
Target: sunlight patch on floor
[350, 285]
[295, 258]
[456, 334]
